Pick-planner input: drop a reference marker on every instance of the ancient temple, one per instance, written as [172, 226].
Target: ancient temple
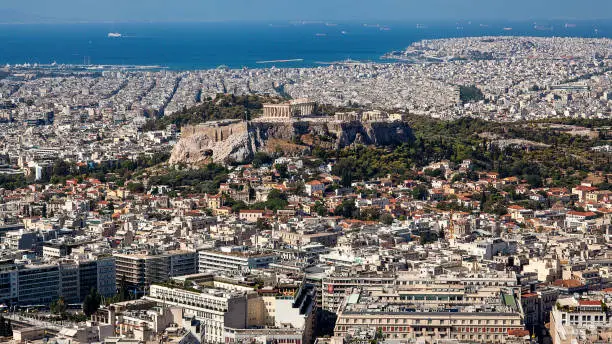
[292, 108]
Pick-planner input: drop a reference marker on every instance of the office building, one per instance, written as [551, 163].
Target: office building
[135, 272]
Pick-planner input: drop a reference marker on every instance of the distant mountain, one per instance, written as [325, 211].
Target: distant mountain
[9, 16]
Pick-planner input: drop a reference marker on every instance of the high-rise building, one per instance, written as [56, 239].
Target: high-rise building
[41, 284]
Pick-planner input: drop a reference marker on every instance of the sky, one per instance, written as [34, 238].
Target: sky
[272, 10]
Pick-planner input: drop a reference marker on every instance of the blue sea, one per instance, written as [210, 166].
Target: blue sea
[183, 46]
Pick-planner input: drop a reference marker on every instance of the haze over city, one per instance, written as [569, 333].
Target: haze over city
[272, 10]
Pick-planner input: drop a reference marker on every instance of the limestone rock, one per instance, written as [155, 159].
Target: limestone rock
[237, 141]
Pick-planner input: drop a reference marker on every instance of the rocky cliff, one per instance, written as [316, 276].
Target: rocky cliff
[227, 141]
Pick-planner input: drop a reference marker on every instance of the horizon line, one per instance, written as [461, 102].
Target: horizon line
[304, 21]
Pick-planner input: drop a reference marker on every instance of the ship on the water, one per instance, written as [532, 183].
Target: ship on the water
[114, 35]
[542, 27]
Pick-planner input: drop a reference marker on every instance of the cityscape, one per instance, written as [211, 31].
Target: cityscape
[457, 190]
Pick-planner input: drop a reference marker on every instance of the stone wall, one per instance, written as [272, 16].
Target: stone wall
[219, 130]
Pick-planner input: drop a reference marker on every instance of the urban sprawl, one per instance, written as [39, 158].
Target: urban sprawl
[102, 240]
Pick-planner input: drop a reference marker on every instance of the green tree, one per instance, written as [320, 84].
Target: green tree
[59, 306]
[61, 168]
[483, 200]
[262, 224]
[282, 170]
[441, 233]
[9, 328]
[6, 328]
[122, 292]
[299, 189]
[135, 187]
[92, 302]
[419, 192]
[370, 213]
[428, 237]
[347, 209]
[276, 200]
[386, 218]
[261, 158]
[3, 331]
[320, 208]
[110, 206]
[470, 93]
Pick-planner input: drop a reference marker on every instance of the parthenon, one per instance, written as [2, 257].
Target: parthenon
[292, 108]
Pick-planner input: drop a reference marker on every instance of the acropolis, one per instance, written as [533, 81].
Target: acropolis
[293, 108]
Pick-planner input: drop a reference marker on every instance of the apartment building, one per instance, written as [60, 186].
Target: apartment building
[334, 287]
[251, 215]
[214, 307]
[231, 261]
[578, 321]
[432, 314]
[137, 271]
[232, 316]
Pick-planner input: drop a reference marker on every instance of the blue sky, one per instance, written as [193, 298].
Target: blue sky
[205, 10]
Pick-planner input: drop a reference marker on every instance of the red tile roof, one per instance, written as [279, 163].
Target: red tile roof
[570, 283]
[581, 213]
[589, 302]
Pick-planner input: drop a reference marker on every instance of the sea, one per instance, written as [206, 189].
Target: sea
[205, 45]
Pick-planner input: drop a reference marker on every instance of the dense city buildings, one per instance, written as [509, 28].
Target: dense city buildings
[460, 196]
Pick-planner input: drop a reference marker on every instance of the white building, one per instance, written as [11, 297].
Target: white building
[234, 262]
[572, 320]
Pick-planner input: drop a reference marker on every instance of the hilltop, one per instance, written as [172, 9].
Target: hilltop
[237, 141]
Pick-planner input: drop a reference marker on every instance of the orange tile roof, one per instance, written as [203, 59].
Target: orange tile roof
[581, 213]
[589, 303]
[570, 283]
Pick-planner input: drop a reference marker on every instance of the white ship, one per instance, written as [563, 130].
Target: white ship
[114, 35]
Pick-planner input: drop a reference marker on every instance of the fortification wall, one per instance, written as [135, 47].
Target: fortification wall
[216, 131]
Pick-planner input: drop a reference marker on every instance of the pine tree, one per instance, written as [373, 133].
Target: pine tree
[92, 302]
[9, 328]
[483, 199]
[3, 328]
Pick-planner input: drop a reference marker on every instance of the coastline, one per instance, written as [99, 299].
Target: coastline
[208, 45]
